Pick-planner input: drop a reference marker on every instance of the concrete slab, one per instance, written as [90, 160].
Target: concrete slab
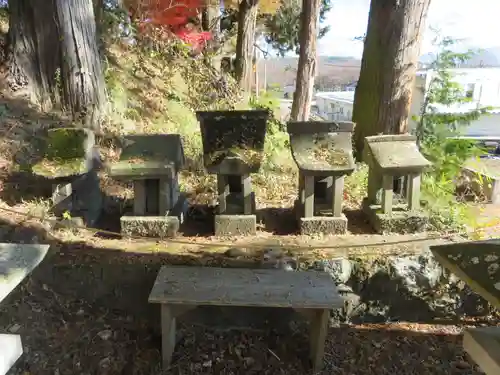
[323, 225]
[400, 220]
[235, 225]
[149, 226]
[16, 262]
[11, 350]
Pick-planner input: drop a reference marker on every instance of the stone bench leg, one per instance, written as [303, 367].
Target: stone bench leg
[169, 313]
[318, 326]
[318, 332]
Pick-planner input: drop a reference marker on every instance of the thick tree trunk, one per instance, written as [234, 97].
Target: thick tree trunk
[83, 79]
[306, 69]
[389, 64]
[33, 51]
[247, 19]
[53, 54]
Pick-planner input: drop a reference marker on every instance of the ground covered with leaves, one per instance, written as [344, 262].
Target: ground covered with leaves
[85, 311]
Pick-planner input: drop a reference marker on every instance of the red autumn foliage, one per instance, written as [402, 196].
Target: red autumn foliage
[173, 17]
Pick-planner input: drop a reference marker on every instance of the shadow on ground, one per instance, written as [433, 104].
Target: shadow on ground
[85, 310]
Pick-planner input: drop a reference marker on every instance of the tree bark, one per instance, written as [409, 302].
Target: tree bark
[388, 68]
[247, 19]
[33, 51]
[82, 75]
[53, 54]
[306, 68]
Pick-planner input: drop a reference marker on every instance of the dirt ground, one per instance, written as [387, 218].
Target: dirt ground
[85, 311]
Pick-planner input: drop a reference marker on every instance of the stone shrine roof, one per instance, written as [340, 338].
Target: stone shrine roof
[320, 147]
[394, 153]
[149, 156]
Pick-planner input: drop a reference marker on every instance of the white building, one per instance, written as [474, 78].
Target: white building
[482, 85]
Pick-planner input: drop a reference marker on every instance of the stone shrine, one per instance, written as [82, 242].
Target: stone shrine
[323, 154]
[389, 157]
[70, 161]
[152, 162]
[233, 148]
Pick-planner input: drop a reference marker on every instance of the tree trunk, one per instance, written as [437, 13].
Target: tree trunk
[83, 79]
[53, 54]
[33, 51]
[388, 68]
[247, 19]
[306, 69]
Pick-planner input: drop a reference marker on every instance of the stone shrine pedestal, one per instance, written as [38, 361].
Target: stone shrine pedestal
[152, 163]
[323, 153]
[390, 157]
[70, 161]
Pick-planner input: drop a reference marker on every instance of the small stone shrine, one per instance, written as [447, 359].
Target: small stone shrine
[389, 157]
[233, 147]
[70, 161]
[477, 263]
[152, 162]
[323, 153]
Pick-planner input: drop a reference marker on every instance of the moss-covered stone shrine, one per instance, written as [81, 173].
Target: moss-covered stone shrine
[152, 162]
[323, 154]
[389, 157]
[70, 160]
[233, 147]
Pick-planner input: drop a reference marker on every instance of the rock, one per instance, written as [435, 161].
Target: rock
[340, 269]
[105, 334]
[408, 287]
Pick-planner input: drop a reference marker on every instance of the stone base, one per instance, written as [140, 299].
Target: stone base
[235, 225]
[323, 225]
[149, 226]
[11, 349]
[398, 221]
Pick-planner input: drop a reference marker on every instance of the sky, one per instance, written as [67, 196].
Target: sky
[477, 22]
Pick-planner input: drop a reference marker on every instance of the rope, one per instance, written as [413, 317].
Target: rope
[445, 237]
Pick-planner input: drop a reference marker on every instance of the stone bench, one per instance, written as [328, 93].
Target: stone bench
[180, 289]
[483, 345]
[16, 262]
[477, 264]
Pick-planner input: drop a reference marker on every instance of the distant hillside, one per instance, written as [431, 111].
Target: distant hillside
[341, 70]
[489, 57]
[282, 71]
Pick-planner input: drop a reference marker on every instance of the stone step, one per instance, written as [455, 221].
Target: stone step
[16, 262]
[10, 350]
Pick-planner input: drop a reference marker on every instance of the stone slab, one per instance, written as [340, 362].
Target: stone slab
[399, 221]
[323, 225]
[16, 262]
[245, 287]
[477, 263]
[149, 226]
[235, 225]
[11, 349]
[483, 346]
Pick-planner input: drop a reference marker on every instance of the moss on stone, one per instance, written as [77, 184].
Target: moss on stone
[66, 144]
[53, 168]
